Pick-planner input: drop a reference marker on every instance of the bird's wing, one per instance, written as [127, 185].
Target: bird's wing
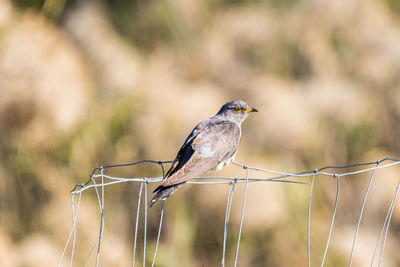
[210, 144]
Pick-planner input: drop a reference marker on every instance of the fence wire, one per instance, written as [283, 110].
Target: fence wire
[99, 180]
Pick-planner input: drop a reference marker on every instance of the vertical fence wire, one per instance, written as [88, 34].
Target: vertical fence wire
[231, 189]
[159, 233]
[137, 224]
[101, 217]
[73, 246]
[361, 213]
[161, 220]
[390, 211]
[145, 223]
[91, 253]
[75, 211]
[97, 240]
[385, 226]
[333, 219]
[309, 222]
[242, 215]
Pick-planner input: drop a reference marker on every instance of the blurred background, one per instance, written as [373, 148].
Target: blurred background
[90, 83]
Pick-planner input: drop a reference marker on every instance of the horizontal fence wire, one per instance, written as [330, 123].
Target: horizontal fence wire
[99, 180]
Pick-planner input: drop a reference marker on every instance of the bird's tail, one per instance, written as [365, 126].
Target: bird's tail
[163, 192]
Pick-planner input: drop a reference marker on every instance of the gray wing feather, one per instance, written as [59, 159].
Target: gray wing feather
[210, 143]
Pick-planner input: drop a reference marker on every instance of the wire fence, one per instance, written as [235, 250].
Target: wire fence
[99, 180]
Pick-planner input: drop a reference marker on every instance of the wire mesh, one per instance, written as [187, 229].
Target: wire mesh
[99, 180]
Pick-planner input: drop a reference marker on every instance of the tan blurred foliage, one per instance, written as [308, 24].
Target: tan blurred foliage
[88, 83]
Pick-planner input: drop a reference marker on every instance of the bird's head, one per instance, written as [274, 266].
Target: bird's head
[236, 111]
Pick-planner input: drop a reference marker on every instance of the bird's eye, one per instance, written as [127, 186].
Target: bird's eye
[238, 109]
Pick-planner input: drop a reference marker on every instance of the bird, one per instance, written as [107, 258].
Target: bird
[213, 143]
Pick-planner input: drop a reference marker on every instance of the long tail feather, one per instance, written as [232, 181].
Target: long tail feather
[163, 192]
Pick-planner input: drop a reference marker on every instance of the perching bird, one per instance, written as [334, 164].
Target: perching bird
[212, 143]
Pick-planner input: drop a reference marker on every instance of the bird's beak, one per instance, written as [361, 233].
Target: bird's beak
[251, 110]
